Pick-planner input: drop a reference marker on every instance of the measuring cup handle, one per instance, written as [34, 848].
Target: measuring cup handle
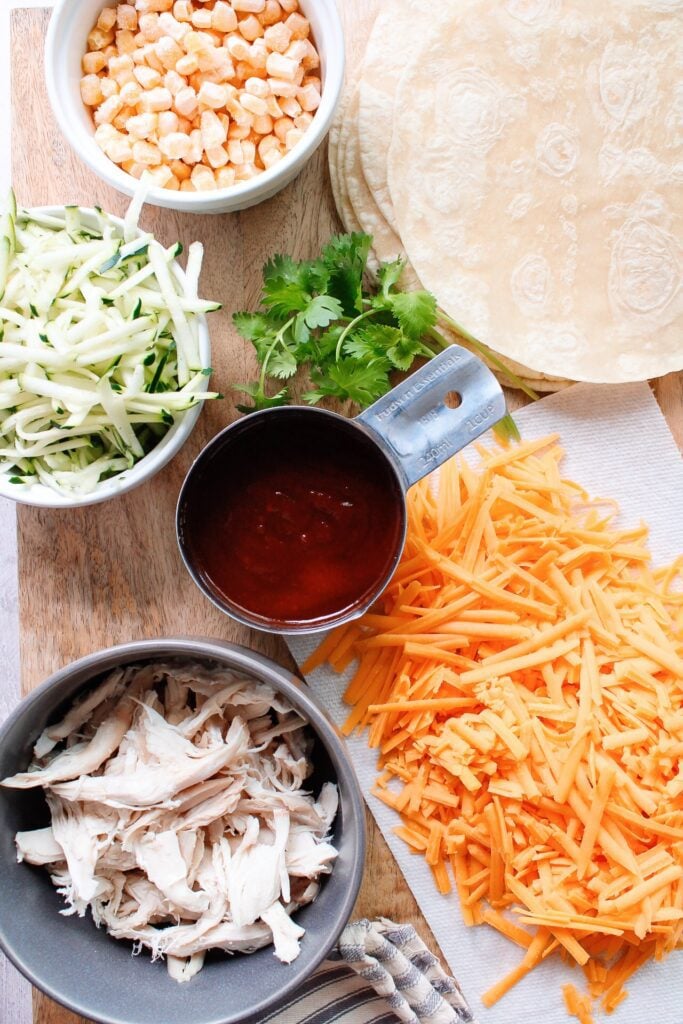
[417, 424]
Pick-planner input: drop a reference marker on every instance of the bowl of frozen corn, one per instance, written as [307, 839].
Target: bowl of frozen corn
[217, 104]
[104, 362]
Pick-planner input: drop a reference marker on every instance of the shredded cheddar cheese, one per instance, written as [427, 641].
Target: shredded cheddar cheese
[523, 683]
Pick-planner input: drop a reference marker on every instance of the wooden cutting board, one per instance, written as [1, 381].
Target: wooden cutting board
[93, 577]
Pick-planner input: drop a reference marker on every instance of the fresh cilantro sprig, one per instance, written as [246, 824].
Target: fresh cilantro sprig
[318, 314]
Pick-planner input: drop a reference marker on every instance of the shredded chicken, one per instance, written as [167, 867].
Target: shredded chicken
[179, 816]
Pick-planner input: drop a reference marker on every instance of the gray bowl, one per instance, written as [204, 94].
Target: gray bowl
[96, 976]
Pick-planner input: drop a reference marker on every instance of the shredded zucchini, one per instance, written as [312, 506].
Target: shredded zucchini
[99, 345]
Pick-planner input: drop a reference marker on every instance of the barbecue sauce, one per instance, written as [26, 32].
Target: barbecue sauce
[296, 518]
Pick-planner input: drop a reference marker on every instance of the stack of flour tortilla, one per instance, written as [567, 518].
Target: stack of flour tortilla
[526, 159]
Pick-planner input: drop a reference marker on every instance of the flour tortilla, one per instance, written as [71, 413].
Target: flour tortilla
[390, 45]
[533, 176]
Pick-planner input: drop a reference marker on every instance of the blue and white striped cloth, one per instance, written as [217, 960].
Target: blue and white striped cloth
[381, 973]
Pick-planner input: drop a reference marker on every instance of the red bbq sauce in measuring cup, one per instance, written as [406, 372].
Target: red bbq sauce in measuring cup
[291, 519]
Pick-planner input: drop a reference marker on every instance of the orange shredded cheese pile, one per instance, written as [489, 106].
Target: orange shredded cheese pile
[523, 682]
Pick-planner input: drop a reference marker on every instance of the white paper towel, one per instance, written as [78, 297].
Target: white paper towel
[618, 446]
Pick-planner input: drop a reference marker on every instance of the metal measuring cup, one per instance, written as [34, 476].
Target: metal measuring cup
[410, 431]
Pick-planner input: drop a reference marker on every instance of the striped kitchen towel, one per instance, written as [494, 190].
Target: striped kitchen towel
[380, 973]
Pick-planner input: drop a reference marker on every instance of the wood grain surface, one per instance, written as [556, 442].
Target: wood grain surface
[93, 577]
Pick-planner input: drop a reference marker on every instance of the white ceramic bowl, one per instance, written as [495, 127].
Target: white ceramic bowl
[70, 24]
[168, 446]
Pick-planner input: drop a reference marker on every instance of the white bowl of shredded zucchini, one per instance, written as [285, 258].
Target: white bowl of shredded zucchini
[104, 353]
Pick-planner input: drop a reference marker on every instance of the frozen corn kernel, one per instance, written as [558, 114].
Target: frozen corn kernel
[273, 106]
[93, 62]
[149, 27]
[180, 169]
[289, 6]
[278, 37]
[271, 13]
[279, 87]
[245, 171]
[170, 26]
[257, 87]
[119, 150]
[202, 178]
[130, 93]
[147, 77]
[107, 19]
[174, 145]
[225, 177]
[107, 111]
[156, 99]
[250, 28]
[104, 133]
[218, 62]
[127, 17]
[263, 125]
[223, 17]
[125, 42]
[196, 150]
[248, 151]
[212, 95]
[185, 101]
[187, 65]
[239, 131]
[91, 90]
[109, 87]
[217, 157]
[146, 153]
[249, 6]
[303, 121]
[182, 10]
[238, 48]
[97, 40]
[174, 82]
[297, 50]
[308, 97]
[311, 60]
[293, 136]
[153, 5]
[235, 151]
[201, 18]
[168, 51]
[141, 126]
[289, 106]
[167, 123]
[162, 176]
[298, 25]
[120, 66]
[270, 142]
[212, 129]
[281, 127]
[258, 55]
[271, 157]
[254, 104]
[119, 121]
[187, 186]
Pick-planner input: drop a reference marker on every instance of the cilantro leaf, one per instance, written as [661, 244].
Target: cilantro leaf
[389, 274]
[261, 399]
[372, 340]
[322, 310]
[415, 311]
[288, 286]
[349, 378]
[282, 364]
[252, 326]
[345, 258]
